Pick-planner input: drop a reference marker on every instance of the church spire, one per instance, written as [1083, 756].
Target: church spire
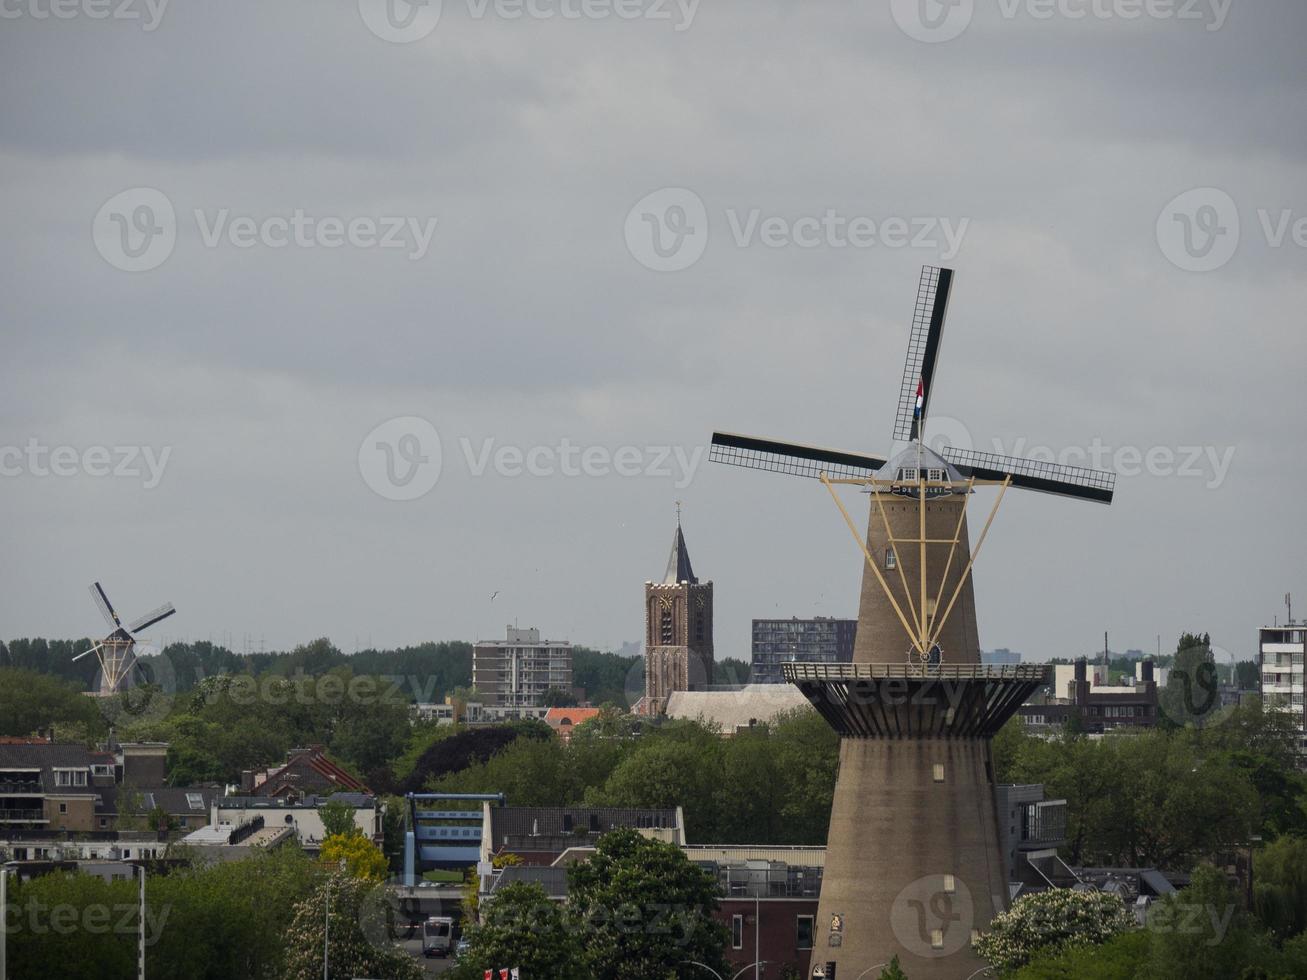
[678, 565]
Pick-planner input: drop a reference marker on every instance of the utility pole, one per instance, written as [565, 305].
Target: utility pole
[326, 936]
[757, 905]
[4, 919]
[140, 963]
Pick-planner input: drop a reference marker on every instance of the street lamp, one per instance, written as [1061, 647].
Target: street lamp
[4, 917]
[878, 966]
[326, 931]
[705, 966]
[140, 952]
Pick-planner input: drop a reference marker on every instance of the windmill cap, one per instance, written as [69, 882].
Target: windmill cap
[918, 456]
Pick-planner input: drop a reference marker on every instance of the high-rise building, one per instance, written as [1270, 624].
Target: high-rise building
[678, 647]
[1280, 663]
[516, 671]
[823, 640]
[1000, 657]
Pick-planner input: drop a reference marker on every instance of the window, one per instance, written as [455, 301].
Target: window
[908, 474]
[936, 476]
[939, 772]
[937, 939]
[195, 801]
[737, 932]
[63, 807]
[891, 560]
[803, 926]
[950, 885]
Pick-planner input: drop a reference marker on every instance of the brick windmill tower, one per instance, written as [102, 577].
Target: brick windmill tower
[914, 867]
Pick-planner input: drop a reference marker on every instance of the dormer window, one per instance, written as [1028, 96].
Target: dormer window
[908, 474]
[936, 476]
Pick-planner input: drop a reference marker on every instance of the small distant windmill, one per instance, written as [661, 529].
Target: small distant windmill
[117, 651]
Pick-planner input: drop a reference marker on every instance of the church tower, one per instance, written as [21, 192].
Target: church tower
[678, 647]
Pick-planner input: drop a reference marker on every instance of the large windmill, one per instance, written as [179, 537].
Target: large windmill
[913, 858]
[117, 651]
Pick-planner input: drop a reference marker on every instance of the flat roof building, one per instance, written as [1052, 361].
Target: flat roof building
[1280, 667]
[517, 671]
[822, 640]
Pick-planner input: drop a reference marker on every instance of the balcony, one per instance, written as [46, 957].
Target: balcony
[23, 816]
[20, 789]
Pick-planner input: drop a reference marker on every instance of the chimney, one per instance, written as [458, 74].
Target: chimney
[247, 782]
[1146, 671]
[1080, 669]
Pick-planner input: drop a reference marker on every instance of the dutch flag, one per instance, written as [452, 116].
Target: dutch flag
[921, 397]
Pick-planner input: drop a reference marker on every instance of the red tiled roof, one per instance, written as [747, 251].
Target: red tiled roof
[555, 717]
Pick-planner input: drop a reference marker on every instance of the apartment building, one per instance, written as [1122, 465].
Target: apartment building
[516, 671]
[1280, 663]
[822, 640]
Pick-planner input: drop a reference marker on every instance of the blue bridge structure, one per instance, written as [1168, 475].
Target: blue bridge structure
[441, 833]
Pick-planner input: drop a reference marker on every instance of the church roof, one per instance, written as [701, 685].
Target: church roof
[678, 565]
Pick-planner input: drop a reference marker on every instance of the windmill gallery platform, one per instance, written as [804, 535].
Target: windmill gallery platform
[914, 865]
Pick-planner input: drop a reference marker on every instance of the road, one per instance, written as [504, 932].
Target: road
[434, 966]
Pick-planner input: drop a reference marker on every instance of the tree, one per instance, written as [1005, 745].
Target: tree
[1116, 959]
[74, 926]
[522, 928]
[730, 670]
[31, 702]
[363, 859]
[337, 818]
[472, 882]
[1280, 886]
[621, 899]
[893, 971]
[353, 952]
[671, 771]
[228, 919]
[1191, 695]
[1051, 922]
[558, 698]
[1201, 933]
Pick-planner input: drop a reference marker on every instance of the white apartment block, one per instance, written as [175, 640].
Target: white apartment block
[516, 672]
[1280, 662]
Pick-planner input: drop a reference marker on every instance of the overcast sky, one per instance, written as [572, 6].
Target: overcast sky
[218, 249]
